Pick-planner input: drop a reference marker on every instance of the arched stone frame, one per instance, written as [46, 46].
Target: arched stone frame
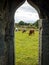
[9, 32]
[37, 9]
[40, 16]
[12, 19]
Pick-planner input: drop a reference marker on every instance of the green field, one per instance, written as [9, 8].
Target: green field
[26, 48]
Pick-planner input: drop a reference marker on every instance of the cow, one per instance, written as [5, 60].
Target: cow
[32, 31]
[24, 30]
[16, 29]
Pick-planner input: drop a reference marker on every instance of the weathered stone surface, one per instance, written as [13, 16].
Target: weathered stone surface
[44, 42]
[7, 10]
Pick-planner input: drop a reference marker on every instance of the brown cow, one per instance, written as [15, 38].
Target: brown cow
[23, 30]
[31, 31]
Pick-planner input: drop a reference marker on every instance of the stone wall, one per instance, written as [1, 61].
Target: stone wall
[44, 42]
[7, 10]
[3, 47]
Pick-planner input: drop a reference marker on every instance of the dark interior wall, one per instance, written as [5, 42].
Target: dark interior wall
[43, 8]
[9, 31]
[7, 10]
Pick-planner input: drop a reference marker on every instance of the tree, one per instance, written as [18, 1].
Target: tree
[36, 24]
[21, 23]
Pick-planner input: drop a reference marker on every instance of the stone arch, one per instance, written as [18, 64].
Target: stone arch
[37, 5]
[33, 5]
[10, 27]
[7, 10]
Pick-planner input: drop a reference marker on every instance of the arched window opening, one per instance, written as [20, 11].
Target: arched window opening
[26, 35]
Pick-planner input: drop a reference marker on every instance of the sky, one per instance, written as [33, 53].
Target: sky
[26, 13]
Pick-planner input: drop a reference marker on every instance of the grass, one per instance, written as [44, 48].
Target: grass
[26, 48]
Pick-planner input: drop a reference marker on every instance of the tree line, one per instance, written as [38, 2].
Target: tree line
[22, 23]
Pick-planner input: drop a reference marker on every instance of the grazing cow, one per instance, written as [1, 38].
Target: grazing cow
[16, 29]
[24, 30]
[31, 31]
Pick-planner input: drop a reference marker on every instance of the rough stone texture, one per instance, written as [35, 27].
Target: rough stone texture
[7, 10]
[10, 42]
[40, 40]
[3, 45]
[44, 42]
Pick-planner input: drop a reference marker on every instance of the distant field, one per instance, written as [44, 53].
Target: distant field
[26, 48]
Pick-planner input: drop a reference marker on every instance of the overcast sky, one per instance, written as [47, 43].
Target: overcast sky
[26, 13]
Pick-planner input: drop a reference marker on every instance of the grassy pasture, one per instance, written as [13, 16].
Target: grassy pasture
[26, 48]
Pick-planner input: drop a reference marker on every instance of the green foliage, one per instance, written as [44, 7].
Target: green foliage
[27, 25]
[36, 24]
[26, 48]
[21, 23]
